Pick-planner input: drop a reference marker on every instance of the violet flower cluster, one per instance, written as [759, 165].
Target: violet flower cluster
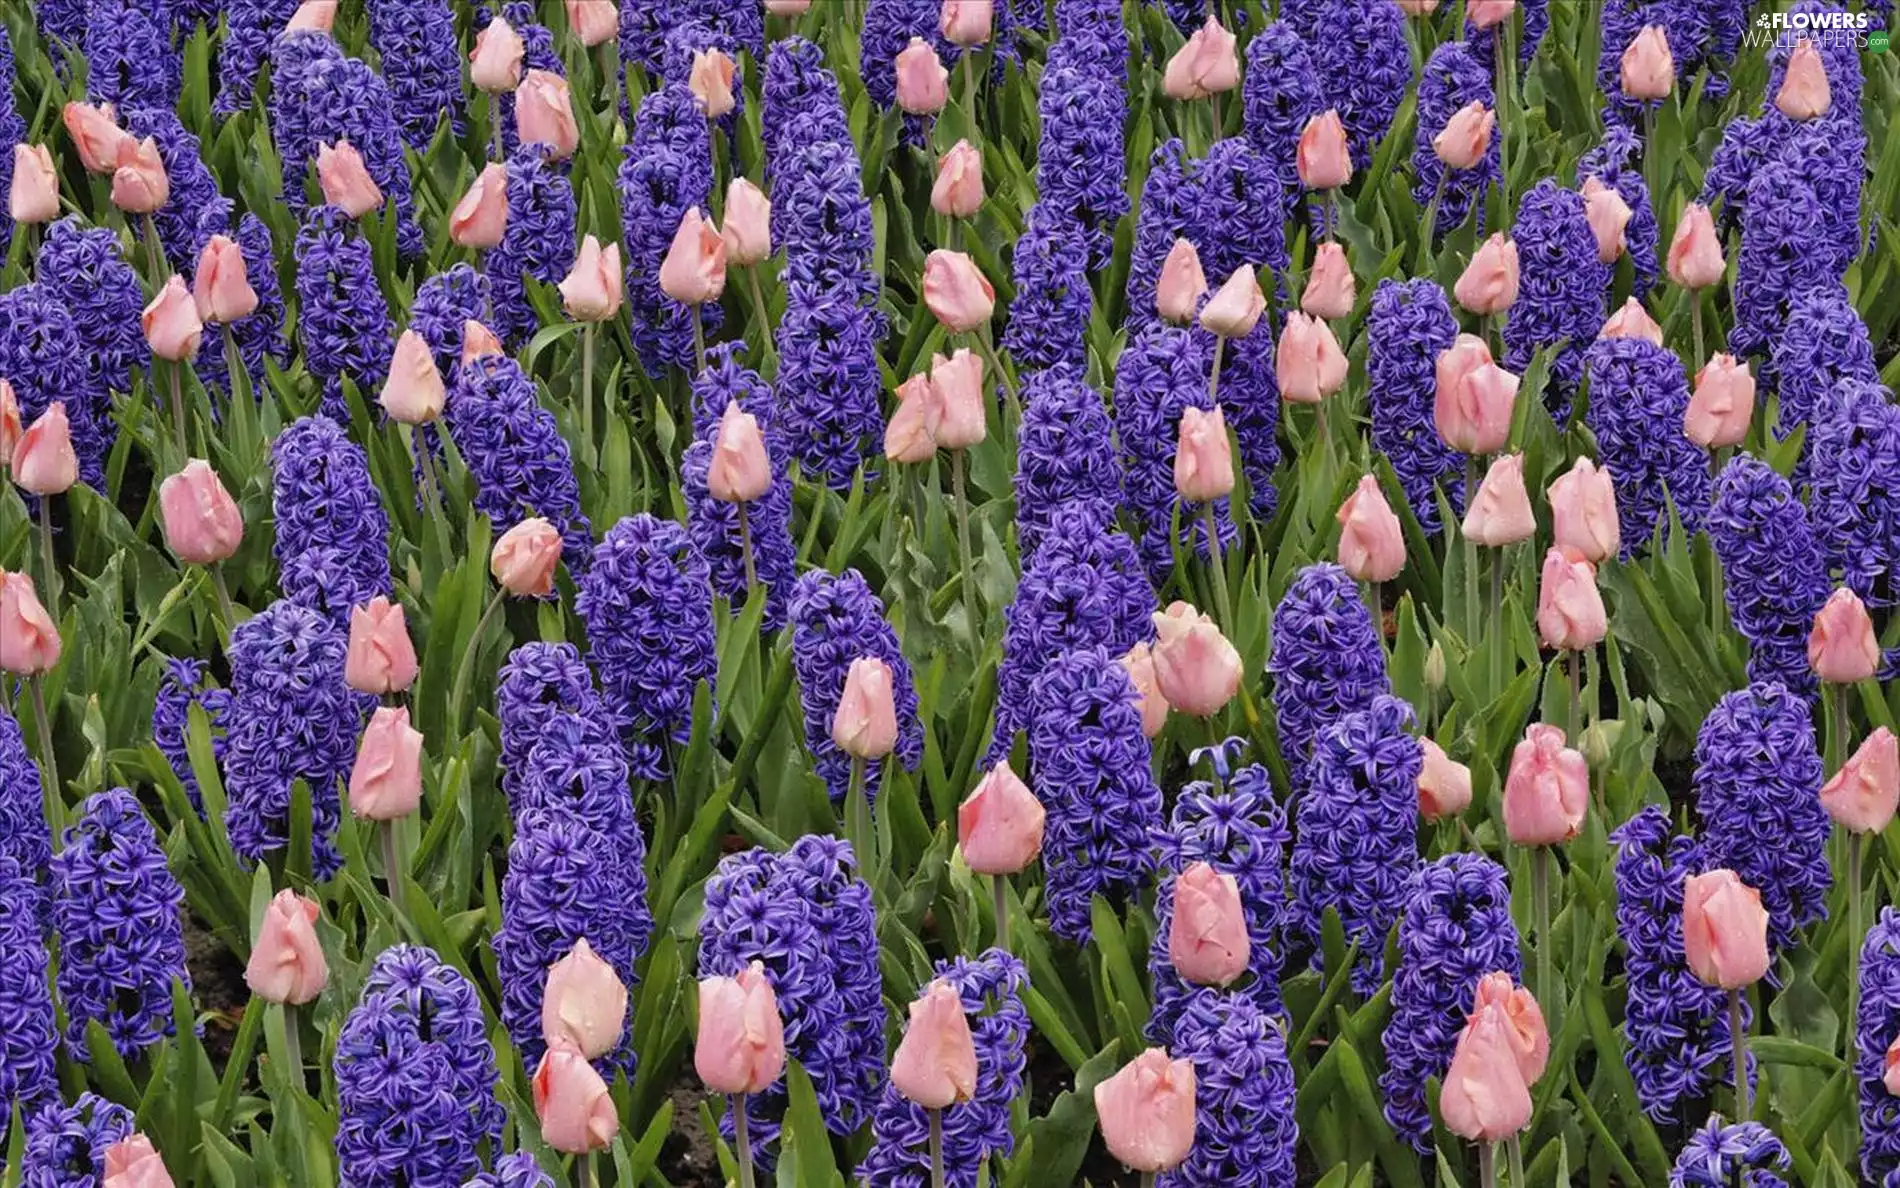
[1407, 325]
[514, 450]
[836, 618]
[1326, 660]
[13, 129]
[518, 1170]
[25, 838]
[1718, 1156]
[332, 535]
[84, 268]
[250, 27]
[343, 324]
[1454, 78]
[1228, 204]
[1774, 574]
[183, 687]
[1823, 342]
[66, 1145]
[1638, 397]
[422, 61]
[559, 750]
[43, 356]
[1617, 163]
[29, 1043]
[1081, 159]
[1064, 456]
[1245, 1133]
[665, 171]
[1562, 292]
[1280, 91]
[443, 303]
[193, 188]
[538, 242]
[1049, 319]
[1878, 1027]
[1364, 62]
[1777, 261]
[1854, 489]
[1160, 375]
[130, 59]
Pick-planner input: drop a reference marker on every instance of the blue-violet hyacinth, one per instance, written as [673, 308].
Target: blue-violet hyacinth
[836, 618]
[829, 387]
[1081, 170]
[1617, 164]
[1326, 660]
[1064, 454]
[1407, 326]
[1718, 1156]
[182, 688]
[415, 39]
[1773, 570]
[1454, 78]
[1049, 319]
[66, 1145]
[130, 60]
[518, 1170]
[1854, 488]
[29, 1043]
[538, 242]
[664, 172]
[1638, 398]
[1877, 1028]
[250, 26]
[1562, 290]
[1824, 341]
[513, 447]
[1245, 1133]
[1159, 376]
[84, 268]
[343, 321]
[45, 359]
[324, 502]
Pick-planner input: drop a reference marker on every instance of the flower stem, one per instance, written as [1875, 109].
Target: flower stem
[988, 350]
[465, 670]
[1856, 922]
[1540, 900]
[1222, 604]
[495, 125]
[392, 864]
[46, 556]
[1501, 633]
[1695, 321]
[962, 498]
[745, 551]
[225, 606]
[49, 762]
[1487, 1166]
[742, 1140]
[584, 1169]
[1516, 1148]
[1213, 379]
[699, 343]
[178, 411]
[1738, 1045]
[937, 1179]
[999, 891]
[154, 260]
[587, 386]
[293, 1046]
[1573, 668]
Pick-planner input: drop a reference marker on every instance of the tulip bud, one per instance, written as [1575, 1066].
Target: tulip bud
[345, 181]
[1695, 254]
[525, 558]
[1570, 614]
[585, 1003]
[710, 80]
[1371, 540]
[966, 22]
[43, 461]
[133, 1162]
[1203, 461]
[1529, 1037]
[34, 194]
[1182, 284]
[544, 114]
[1000, 824]
[1804, 93]
[741, 1045]
[1546, 790]
[386, 783]
[864, 725]
[594, 22]
[1648, 68]
[935, 1063]
[1841, 647]
[1466, 136]
[1146, 1112]
[413, 393]
[740, 470]
[576, 1111]
[481, 216]
[1330, 289]
[593, 289]
[1444, 784]
[221, 284]
[478, 341]
[747, 230]
[1724, 930]
[313, 16]
[495, 62]
[1583, 513]
[1865, 792]
[1140, 664]
[1488, 285]
[911, 435]
[1608, 215]
[1483, 1097]
[29, 639]
[956, 291]
[923, 84]
[381, 660]
[287, 963]
[962, 399]
[171, 324]
[139, 184]
[11, 430]
[1196, 667]
[1207, 934]
[694, 271]
[201, 521]
[1632, 321]
[1722, 404]
[1322, 157]
[1473, 401]
[958, 192]
[1500, 513]
[1206, 65]
[1488, 14]
[1235, 308]
[1308, 361]
[96, 134]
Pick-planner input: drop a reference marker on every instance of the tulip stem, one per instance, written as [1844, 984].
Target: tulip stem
[1695, 321]
[1487, 1166]
[46, 555]
[293, 1047]
[936, 1149]
[1855, 923]
[392, 864]
[1222, 603]
[495, 126]
[154, 259]
[988, 351]
[584, 1167]
[764, 318]
[999, 891]
[465, 670]
[1502, 633]
[745, 551]
[742, 1140]
[1738, 1046]
[968, 577]
[49, 763]
[1516, 1149]
[1540, 905]
[699, 342]
[178, 409]
[587, 385]
[1213, 379]
[1573, 668]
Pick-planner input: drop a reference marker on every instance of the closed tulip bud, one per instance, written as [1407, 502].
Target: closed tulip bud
[958, 191]
[1196, 667]
[999, 825]
[1804, 93]
[1146, 1112]
[413, 393]
[1500, 513]
[864, 726]
[43, 461]
[1207, 936]
[201, 521]
[1435, 666]
[1206, 65]
[381, 658]
[171, 323]
[1444, 784]
[1182, 284]
[962, 399]
[29, 639]
[1583, 513]
[495, 62]
[1466, 137]
[345, 180]
[11, 429]
[1308, 361]
[956, 291]
[544, 114]
[96, 134]
[1371, 540]
[1695, 254]
[1632, 321]
[1483, 1097]
[966, 22]
[788, 8]
[1608, 216]
[1570, 614]
[1330, 289]
[1418, 8]
[1864, 793]
[1487, 14]
[1530, 1038]
[911, 435]
[1488, 285]
[711, 82]
[287, 963]
[592, 290]
[478, 342]
[694, 271]
[1235, 308]
[525, 558]
[1203, 461]
[576, 1111]
[747, 230]
[935, 1063]
[1322, 157]
[740, 470]
[741, 1044]
[1546, 790]
[1722, 404]
[1140, 663]
[386, 783]
[1464, 421]
[221, 283]
[481, 216]
[140, 184]
[313, 16]
[1649, 70]
[1841, 646]
[133, 1162]
[34, 194]
[923, 84]
[1724, 930]
[593, 22]
[585, 1003]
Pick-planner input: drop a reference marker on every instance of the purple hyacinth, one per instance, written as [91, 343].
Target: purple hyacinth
[518, 1170]
[250, 26]
[415, 1077]
[665, 172]
[644, 24]
[1245, 1132]
[1687, 27]
[1250, 401]
[1408, 324]
[568, 882]
[1160, 375]
[1326, 660]
[181, 689]
[538, 242]
[1091, 771]
[1777, 262]
[61, 21]
[443, 304]
[835, 620]
[130, 60]
[1169, 198]
[1454, 78]
[829, 386]
[1718, 1156]
[45, 359]
[117, 913]
[822, 218]
[260, 334]
[13, 129]
[1536, 24]
[193, 188]
[343, 321]
[514, 449]
[1772, 568]
[29, 1044]
[1638, 396]
[546, 695]
[1239, 830]
[990, 986]
[1086, 587]
[1879, 1026]
[1363, 60]
[1049, 318]
[1562, 290]
[1456, 928]
[1854, 489]
[768, 519]
[329, 519]
[415, 40]
[85, 270]
[291, 718]
[1823, 341]
[1064, 454]
[807, 917]
[1356, 830]
[66, 1145]
[1226, 203]
[1280, 92]
[803, 105]
[24, 836]
[1617, 163]
[1081, 170]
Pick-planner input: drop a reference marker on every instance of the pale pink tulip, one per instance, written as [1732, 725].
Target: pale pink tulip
[1724, 930]
[1583, 512]
[748, 226]
[1530, 1038]
[1804, 93]
[956, 291]
[29, 639]
[1648, 68]
[1196, 667]
[43, 461]
[171, 323]
[923, 84]
[1206, 65]
[1371, 540]
[1444, 784]
[221, 283]
[381, 657]
[911, 435]
[345, 180]
[413, 392]
[576, 1111]
[1546, 790]
[140, 184]
[1139, 661]
[1486, 14]
[287, 963]
[133, 1162]
[740, 470]
[1207, 935]
[1632, 321]
[1570, 615]
[593, 22]
[525, 558]
[495, 62]
[1182, 284]
[1863, 795]
[481, 216]
[1500, 513]
[1722, 404]
[584, 1003]
[741, 1043]
[1473, 399]
[1330, 289]
[962, 399]
[1841, 646]
[96, 134]
[34, 194]
[593, 289]
[386, 783]
[711, 82]
[1322, 157]
[935, 1062]
[1483, 1097]
[958, 191]
[694, 270]
[864, 725]
[1695, 254]
[1146, 1111]
[1608, 216]
[1488, 285]
[1203, 460]
[544, 114]
[202, 523]
[1235, 308]
[999, 825]
[966, 22]
[1466, 137]
[1308, 361]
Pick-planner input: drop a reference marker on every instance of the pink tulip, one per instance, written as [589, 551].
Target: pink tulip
[133, 1162]
[1329, 287]
[1500, 513]
[1841, 647]
[495, 62]
[386, 783]
[1444, 784]
[478, 342]
[740, 470]
[139, 184]
[935, 1063]
[1310, 364]
[96, 134]
[544, 114]
[313, 16]
[585, 1003]
[966, 22]
[1322, 157]
[911, 435]
[1890, 1072]
[1472, 404]
[1206, 65]
[381, 659]
[1371, 540]
[956, 291]
[1722, 405]
[788, 8]
[1483, 1097]
[711, 82]
[1207, 936]
[1804, 93]
[958, 191]
[1865, 792]
[864, 726]
[43, 461]
[1235, 308]
[202, 523]
[1203, 461]
[999, 825]
[1632, 321]
[1546, 790]
[1466, 137]
[11, 430]
[525, 558]
[593, 289]
[1418, 8]
[221, 284]
[1488, 285]
[1182, 284]
[747, 230]
[1724, 930]
[287, 963]
[1608, 216]
[413, 393]
[1583, 513]
[29, 639]
[481, 216]
[345, 180]
[1139, 661]
[1570, 614]
[741, 1044]
[1196, 667]
[34, 195]
[1147, 1112]
[1530, 1038]
[962, 398]
[923, 85]
[576, 1111]
[1695, 254]
[694, 271]
[594, 22]
[1486, 14]
[171, 324]
[1649, 71]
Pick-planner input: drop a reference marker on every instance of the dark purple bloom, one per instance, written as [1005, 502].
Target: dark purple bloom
[768, 519]
[665, 172]
[415, 39]
[1854, 488]
[1226, 203]
[1617, 163]
[29, 1042]
[1170, 197]
[324, 502]
[61, 21]
[1638, 396]
[343, 322]
[1778, 261]
[835, 620]
[829, 386]
[1879, 1025]
[1362, 57]
[1772, 567]
[1049, 318]
[546, 695]
[803, 105]
[1718, 1156]
[171, 721]
[514, 449]
[44, 357]
[1823, 341]
[513, 1171]
[538, 242]
[1407, 326]
[13, 128]
[1081, 170]
[85, 270]
[1245, 1132]
[1536, 24]
[130, 60]
[644, 24]
[25, 838]
[66, 1145]
[1064, 455]
[1454, 78]
[250, 28]
[443, 304]
[1562, 291]
[823, 220]
[1326, 661]
[1281, 91]
[1160, 375]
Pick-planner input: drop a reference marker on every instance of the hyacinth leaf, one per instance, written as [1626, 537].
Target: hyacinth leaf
[804, 1145]
[1061, 1137]
[109, 1073]
[1398, 1162]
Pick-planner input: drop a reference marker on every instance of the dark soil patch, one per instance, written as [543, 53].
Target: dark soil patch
[688, 1158]
[217, 985]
